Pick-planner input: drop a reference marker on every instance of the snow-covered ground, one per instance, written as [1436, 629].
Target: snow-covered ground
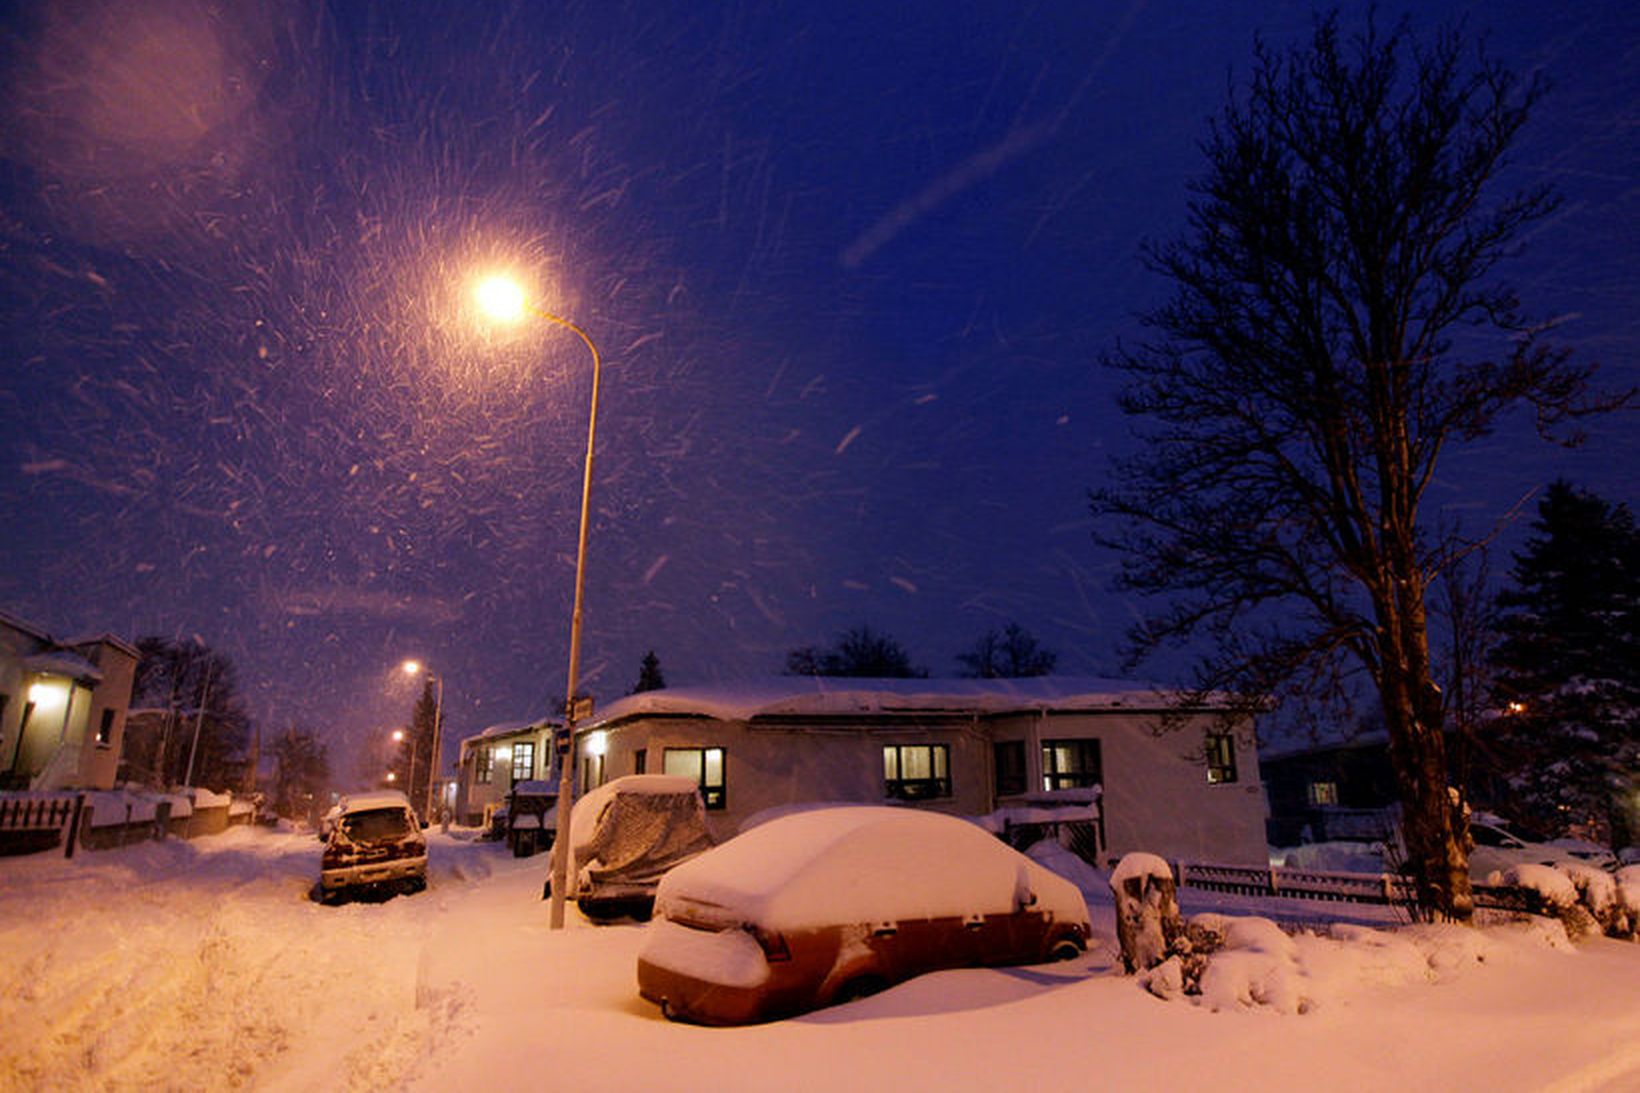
[204, 965]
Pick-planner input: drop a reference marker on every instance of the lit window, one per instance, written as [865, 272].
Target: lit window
[913, 772]
[704, 765]
[1070, 764]
[483, 765]
[1221, 758]
[1323, 793]
[523, 762]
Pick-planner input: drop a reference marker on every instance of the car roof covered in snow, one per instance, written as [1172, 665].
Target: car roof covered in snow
[861, 864]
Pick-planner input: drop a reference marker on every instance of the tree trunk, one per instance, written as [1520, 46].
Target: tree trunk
[1431, 822]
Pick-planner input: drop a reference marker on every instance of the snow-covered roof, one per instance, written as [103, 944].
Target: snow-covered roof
[504, 728]
[810, 696]
[61, 662]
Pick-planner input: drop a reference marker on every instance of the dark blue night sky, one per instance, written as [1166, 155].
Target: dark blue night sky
[851, 270]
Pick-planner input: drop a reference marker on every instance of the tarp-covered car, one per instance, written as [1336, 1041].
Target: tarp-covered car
[625, 835]
[375, 844]
[826, 906]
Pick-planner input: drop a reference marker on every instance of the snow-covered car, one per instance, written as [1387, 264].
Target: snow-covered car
[375, 844]
[625, 835]
[822, 907]
[1497, 848]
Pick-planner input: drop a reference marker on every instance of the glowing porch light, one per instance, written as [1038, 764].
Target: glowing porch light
[597, 743]
[48, 696]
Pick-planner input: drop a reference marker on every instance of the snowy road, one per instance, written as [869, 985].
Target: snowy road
[203, 965]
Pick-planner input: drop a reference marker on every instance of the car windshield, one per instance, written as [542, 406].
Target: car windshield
[376, 823]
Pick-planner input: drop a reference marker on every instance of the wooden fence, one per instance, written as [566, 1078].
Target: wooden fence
[31, 824]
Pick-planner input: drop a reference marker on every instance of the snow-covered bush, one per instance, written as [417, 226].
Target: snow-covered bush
[1558, 893]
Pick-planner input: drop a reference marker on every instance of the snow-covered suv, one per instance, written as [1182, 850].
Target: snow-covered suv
[374, 844]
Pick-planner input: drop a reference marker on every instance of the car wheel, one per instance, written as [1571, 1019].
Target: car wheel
[1064, 949]
[861, 986]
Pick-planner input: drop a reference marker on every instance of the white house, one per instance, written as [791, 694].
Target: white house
[968, 747]
[497, 758]
[62, 707]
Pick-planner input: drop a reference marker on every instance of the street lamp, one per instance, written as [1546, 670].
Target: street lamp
[415, 667]
[505, 300]
[410, 776]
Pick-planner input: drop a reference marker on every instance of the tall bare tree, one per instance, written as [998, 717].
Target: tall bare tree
[1335, 324]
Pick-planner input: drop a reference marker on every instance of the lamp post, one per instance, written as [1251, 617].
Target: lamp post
[415, 667]
[505, 300]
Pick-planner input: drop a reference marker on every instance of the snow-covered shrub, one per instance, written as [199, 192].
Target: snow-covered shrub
[1597, 891]
[1558, 893]
[1627, 884]
[1257, 967]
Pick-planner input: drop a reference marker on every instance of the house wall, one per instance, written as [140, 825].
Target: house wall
[99, 762]
[1156, 794]
[767, 765]
[474, 799]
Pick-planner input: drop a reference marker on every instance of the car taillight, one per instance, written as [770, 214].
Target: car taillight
[773, 945]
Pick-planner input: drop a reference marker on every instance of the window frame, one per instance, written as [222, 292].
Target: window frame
[1079, 775]
[105, 729]
[715, 795]
[897, 787]
[1219, 749]
[525, 747]
[484, 765]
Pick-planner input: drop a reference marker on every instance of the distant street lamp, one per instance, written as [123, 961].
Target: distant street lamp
[505, 300]
[410, 775]
[416, 667]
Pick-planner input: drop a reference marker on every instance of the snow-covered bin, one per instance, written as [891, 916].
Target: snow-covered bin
[208, 811]
[1147, 910]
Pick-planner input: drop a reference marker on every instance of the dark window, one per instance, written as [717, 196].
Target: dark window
[592, 772]
[1221, 758]
[1010, 761]
[105, 729]
[640, 760]
[705, 765]
[1070, 764]
[483, 765]
[914, 772]
[523, 762]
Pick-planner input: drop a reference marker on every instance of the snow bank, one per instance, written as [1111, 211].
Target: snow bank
[1259, 966]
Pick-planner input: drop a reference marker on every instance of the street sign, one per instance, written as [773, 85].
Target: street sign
[579, 708]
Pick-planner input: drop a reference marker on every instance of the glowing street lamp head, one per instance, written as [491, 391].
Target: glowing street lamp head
[501, 298]
[412, 667]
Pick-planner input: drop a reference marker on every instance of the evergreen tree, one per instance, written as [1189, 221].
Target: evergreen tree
[859, 653]
[1012, 653]
[650, 677]
[1567, 668]
[414, 764]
